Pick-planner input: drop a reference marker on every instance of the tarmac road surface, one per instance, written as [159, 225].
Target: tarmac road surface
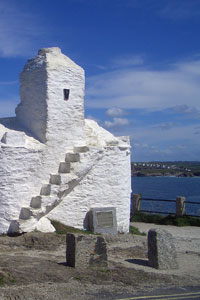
[185, 293]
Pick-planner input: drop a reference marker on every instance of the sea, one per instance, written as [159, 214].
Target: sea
[168, 188]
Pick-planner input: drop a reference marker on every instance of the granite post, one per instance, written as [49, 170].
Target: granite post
[161, 250]
[136, 203]
[180, 206]
[85, 251]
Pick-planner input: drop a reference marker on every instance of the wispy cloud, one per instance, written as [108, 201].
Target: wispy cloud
[2, 83]
[8, 107]
[142, 145]
[115, 112]
[164, 126]
[116, 122]
[127, 61]
[197, 130]
[175, 10]
[146, 88]
[174, 144]
[18, 30]
[180, 9]
[188, 111]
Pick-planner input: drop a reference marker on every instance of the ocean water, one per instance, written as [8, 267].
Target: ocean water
[168, 188]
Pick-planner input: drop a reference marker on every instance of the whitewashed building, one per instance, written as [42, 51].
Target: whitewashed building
[54, 163]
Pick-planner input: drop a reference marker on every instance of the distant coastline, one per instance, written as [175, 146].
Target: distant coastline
[167, 169]
[141, 174]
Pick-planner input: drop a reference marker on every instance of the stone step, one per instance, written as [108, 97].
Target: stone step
[72, 157]
[36, 202]
[55, 179]
[20, 226]
[64, 167]
[28, 212]
[63, 178]
[45, 190]
[81, 149]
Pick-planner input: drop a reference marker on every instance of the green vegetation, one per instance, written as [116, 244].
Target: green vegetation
[168, 220]
[1, 280]
[134, 230]
[5, 278]
[63, 229]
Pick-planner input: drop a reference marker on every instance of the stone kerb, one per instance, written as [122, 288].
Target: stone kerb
[85, 251]
[161, 250]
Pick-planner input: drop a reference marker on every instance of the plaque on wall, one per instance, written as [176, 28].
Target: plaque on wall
[103, 220]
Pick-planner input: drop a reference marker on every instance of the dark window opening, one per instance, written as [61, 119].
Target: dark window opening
[66, 94]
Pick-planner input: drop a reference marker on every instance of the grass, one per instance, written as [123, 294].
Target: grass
[1, 280]
[134, 230]
[168, 220]
[5, 278]
[63, 229]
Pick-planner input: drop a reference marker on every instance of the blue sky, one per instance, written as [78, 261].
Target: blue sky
[141, 58]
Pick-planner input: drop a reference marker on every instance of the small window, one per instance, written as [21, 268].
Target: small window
[66, 94]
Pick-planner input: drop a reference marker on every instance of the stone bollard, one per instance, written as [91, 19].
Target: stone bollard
[85, 251]
[180, 206]
[161, 250]
[136, 203]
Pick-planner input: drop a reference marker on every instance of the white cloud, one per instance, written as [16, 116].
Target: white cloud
[155, 136]
[8, 107]
[2, 83]
[164, 125]
[142, 145]
[115, 112]
[127, 61]
[116, 122]
[144, 88]
[187, 110]
[18, 30]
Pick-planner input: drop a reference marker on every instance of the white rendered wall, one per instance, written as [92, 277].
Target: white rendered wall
[44, 112]
[43, 109]
[20, 162]
[26, 163]
[32, 110]
[107, 184]
[65, 124]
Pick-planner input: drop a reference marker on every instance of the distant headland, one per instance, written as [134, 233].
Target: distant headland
[169, 168]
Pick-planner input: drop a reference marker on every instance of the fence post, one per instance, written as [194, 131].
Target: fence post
[180, 206]
[136, 202]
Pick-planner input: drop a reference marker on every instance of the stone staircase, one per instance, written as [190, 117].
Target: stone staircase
[76, 166]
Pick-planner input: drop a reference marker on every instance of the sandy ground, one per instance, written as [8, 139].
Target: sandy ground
[33, 267]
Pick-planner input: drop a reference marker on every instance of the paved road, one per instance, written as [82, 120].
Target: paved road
[173, 294]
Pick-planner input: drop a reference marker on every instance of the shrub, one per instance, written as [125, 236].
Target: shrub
[165, 220]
